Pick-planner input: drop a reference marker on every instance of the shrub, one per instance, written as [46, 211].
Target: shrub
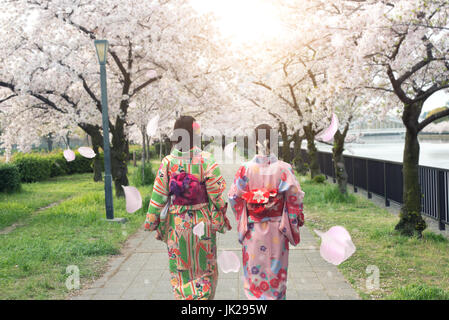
[80, 164]
[9, 178]
[59, 165]
[319, 179]
[419, 292]
[333, 195]
[138, 150]
[32, 167]
[166, 146]
[101, 158]
[37, 167]
[145, 204]
[136, 178]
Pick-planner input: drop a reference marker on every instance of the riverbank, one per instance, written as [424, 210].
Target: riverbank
[438, 137]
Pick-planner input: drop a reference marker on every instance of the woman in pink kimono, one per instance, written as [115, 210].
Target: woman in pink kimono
[267, 201]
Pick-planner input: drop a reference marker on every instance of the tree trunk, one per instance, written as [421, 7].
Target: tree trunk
[286, 152]
[163, 147]
[49, 139]
[160, 147]
[143, 154]
[97, 140]
[411, 221]
[119, 168]
[148, 147]
[67, 137]
[167, 146]
[339, 163]
[312, 151]
[144, 147]
[97, 164]
[297, 156]
[127, 150]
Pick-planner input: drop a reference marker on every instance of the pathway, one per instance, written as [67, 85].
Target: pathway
[141, 271]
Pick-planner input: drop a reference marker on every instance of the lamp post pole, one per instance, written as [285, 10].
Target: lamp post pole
[105, 116]
[107, 151]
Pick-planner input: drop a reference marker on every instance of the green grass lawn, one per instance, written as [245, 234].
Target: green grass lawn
[18, 206]
[35, 255]
[409, 268]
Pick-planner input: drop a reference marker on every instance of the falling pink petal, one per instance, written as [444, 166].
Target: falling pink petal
[152, 74]
[86, 152]
[229, 150]
[336, 245]
[133, 199]
[69, 155]
[198, 230]
[152, 126]
[329, 133]
[228, 262]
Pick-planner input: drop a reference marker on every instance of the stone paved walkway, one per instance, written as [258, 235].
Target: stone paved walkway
[141, 271]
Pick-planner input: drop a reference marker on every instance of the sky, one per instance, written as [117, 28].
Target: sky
[244, 20]
[438, 99]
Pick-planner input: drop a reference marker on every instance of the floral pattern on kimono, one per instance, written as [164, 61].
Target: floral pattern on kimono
[192, 260]
[266, 241]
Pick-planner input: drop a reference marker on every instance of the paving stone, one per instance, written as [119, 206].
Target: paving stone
[229, 275]
[162, 296]
[303, 274]
[114, 288]
[146, 283]
[82, 297]
[106, 297]
[122, 276]
[90, 291]
[136, 292]
[315, 285]
[313, 297]
[226, 296]
[340, 291]
[333, 286]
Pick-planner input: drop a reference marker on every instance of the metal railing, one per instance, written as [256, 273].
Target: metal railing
[384, 178]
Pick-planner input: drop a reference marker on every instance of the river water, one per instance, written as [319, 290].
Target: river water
[434, 153]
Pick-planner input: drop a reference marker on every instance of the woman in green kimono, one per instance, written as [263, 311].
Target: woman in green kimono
[186, 210]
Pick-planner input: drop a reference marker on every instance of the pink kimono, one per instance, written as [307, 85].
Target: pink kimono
[267, 201]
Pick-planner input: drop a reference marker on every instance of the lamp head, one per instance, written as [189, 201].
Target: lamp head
[102, 50]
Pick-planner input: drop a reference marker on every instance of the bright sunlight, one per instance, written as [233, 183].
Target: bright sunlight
[245, 21]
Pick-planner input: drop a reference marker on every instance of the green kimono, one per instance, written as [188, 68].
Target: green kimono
[192, 259]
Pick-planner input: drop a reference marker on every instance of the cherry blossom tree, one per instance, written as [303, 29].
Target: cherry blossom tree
[59, 66]
[399, 49]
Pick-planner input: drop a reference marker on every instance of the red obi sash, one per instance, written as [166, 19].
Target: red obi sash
[187, 189]
[262, 203]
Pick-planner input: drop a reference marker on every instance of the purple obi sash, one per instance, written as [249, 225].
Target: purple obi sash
[187, 189]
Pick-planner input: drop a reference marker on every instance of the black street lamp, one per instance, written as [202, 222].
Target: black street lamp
[102, 50]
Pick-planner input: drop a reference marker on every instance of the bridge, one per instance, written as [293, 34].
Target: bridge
[387, 127]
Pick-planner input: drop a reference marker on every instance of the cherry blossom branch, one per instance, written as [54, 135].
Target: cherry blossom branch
[7, 98]
[432, 118]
